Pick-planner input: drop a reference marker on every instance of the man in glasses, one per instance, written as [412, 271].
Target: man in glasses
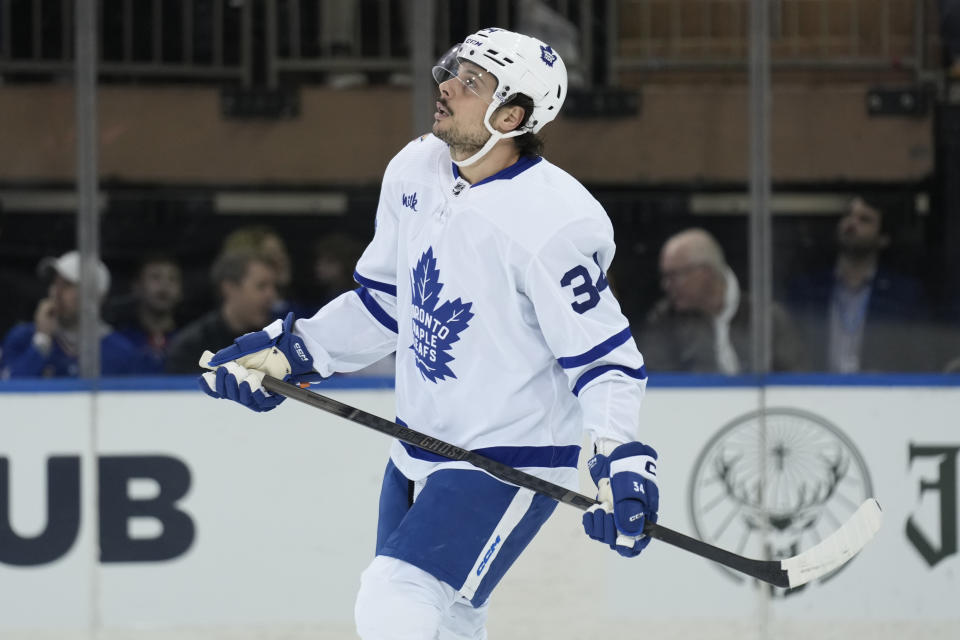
[486, 276]
[702, 324]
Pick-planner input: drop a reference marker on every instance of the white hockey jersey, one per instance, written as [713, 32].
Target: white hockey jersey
[508, 339]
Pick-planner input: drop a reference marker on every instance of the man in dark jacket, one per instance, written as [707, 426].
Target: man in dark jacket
[859, 316]
[247, 285]
[147, 317]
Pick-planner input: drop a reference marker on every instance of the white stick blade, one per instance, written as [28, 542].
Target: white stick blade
[836, 549]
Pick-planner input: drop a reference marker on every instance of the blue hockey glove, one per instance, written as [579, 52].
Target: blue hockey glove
[627, 490]
[238, 370]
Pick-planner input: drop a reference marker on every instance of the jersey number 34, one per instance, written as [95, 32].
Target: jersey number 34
[579, 278]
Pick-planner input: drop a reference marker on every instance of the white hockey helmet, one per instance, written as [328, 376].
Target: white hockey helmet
[521, 65]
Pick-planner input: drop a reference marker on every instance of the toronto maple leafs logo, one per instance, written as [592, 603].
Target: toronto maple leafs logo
[436, 325]
[547, 54]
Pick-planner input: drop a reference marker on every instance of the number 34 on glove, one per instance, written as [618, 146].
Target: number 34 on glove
[629, 496]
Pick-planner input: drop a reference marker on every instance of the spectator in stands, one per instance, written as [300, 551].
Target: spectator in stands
[857, 315]
[273, 249]
[268, 243]
[334, 256]
[703, 323]
[49, 346]
[247, 285]
[148, 319]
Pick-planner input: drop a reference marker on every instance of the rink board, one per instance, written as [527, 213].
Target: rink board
[278, 518]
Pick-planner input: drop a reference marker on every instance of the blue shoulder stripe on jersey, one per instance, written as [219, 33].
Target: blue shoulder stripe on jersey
[518, 167]
[590, 374]
[602, 349]
[375, 309]
[546, 456]
[375, 285]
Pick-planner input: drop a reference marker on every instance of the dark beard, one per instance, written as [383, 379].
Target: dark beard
[857, 249]
[858, 252]
[463, 145]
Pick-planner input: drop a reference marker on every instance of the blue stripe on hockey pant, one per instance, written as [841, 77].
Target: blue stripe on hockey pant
[396, 497]
[466, 528]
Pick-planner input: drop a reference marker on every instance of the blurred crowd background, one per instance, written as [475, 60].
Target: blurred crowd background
[241, 144]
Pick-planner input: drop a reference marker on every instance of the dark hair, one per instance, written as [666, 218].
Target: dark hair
[232, 266]
[155, 257]
[889, 206]
[529, 144]
[251, 237]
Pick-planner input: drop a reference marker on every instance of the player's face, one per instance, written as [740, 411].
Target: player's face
[160, 286]
[462, 106]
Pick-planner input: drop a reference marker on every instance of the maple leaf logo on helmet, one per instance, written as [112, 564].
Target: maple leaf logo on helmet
[547, 54]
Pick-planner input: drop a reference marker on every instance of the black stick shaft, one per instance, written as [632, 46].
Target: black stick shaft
[768, 571]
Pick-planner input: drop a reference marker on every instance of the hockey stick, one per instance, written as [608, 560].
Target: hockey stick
[827, 555]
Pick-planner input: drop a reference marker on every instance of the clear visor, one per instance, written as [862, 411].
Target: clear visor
[480, 82]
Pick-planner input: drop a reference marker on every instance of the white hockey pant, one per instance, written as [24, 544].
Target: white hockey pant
[398, 601]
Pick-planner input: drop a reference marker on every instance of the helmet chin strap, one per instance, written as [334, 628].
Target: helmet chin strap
[495, 137]
[492, 140]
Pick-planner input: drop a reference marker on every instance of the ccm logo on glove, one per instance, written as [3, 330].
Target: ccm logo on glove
[303, 356]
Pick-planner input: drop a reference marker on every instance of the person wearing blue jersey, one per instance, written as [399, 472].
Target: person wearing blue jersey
[49, 346]
[486, 278]
[148, 317]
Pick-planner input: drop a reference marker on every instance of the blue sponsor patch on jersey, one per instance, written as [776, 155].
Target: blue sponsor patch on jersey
[410, 201]
[436, 325]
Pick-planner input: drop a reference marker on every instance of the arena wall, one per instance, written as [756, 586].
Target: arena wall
[820, 132]
[197, 518]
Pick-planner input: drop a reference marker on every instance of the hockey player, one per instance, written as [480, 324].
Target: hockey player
[486, 276]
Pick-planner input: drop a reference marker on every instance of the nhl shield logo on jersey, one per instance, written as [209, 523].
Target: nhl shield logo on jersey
[436, 326]
[547, 54]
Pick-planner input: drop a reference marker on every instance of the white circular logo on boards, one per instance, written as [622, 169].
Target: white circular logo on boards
[773, 493]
